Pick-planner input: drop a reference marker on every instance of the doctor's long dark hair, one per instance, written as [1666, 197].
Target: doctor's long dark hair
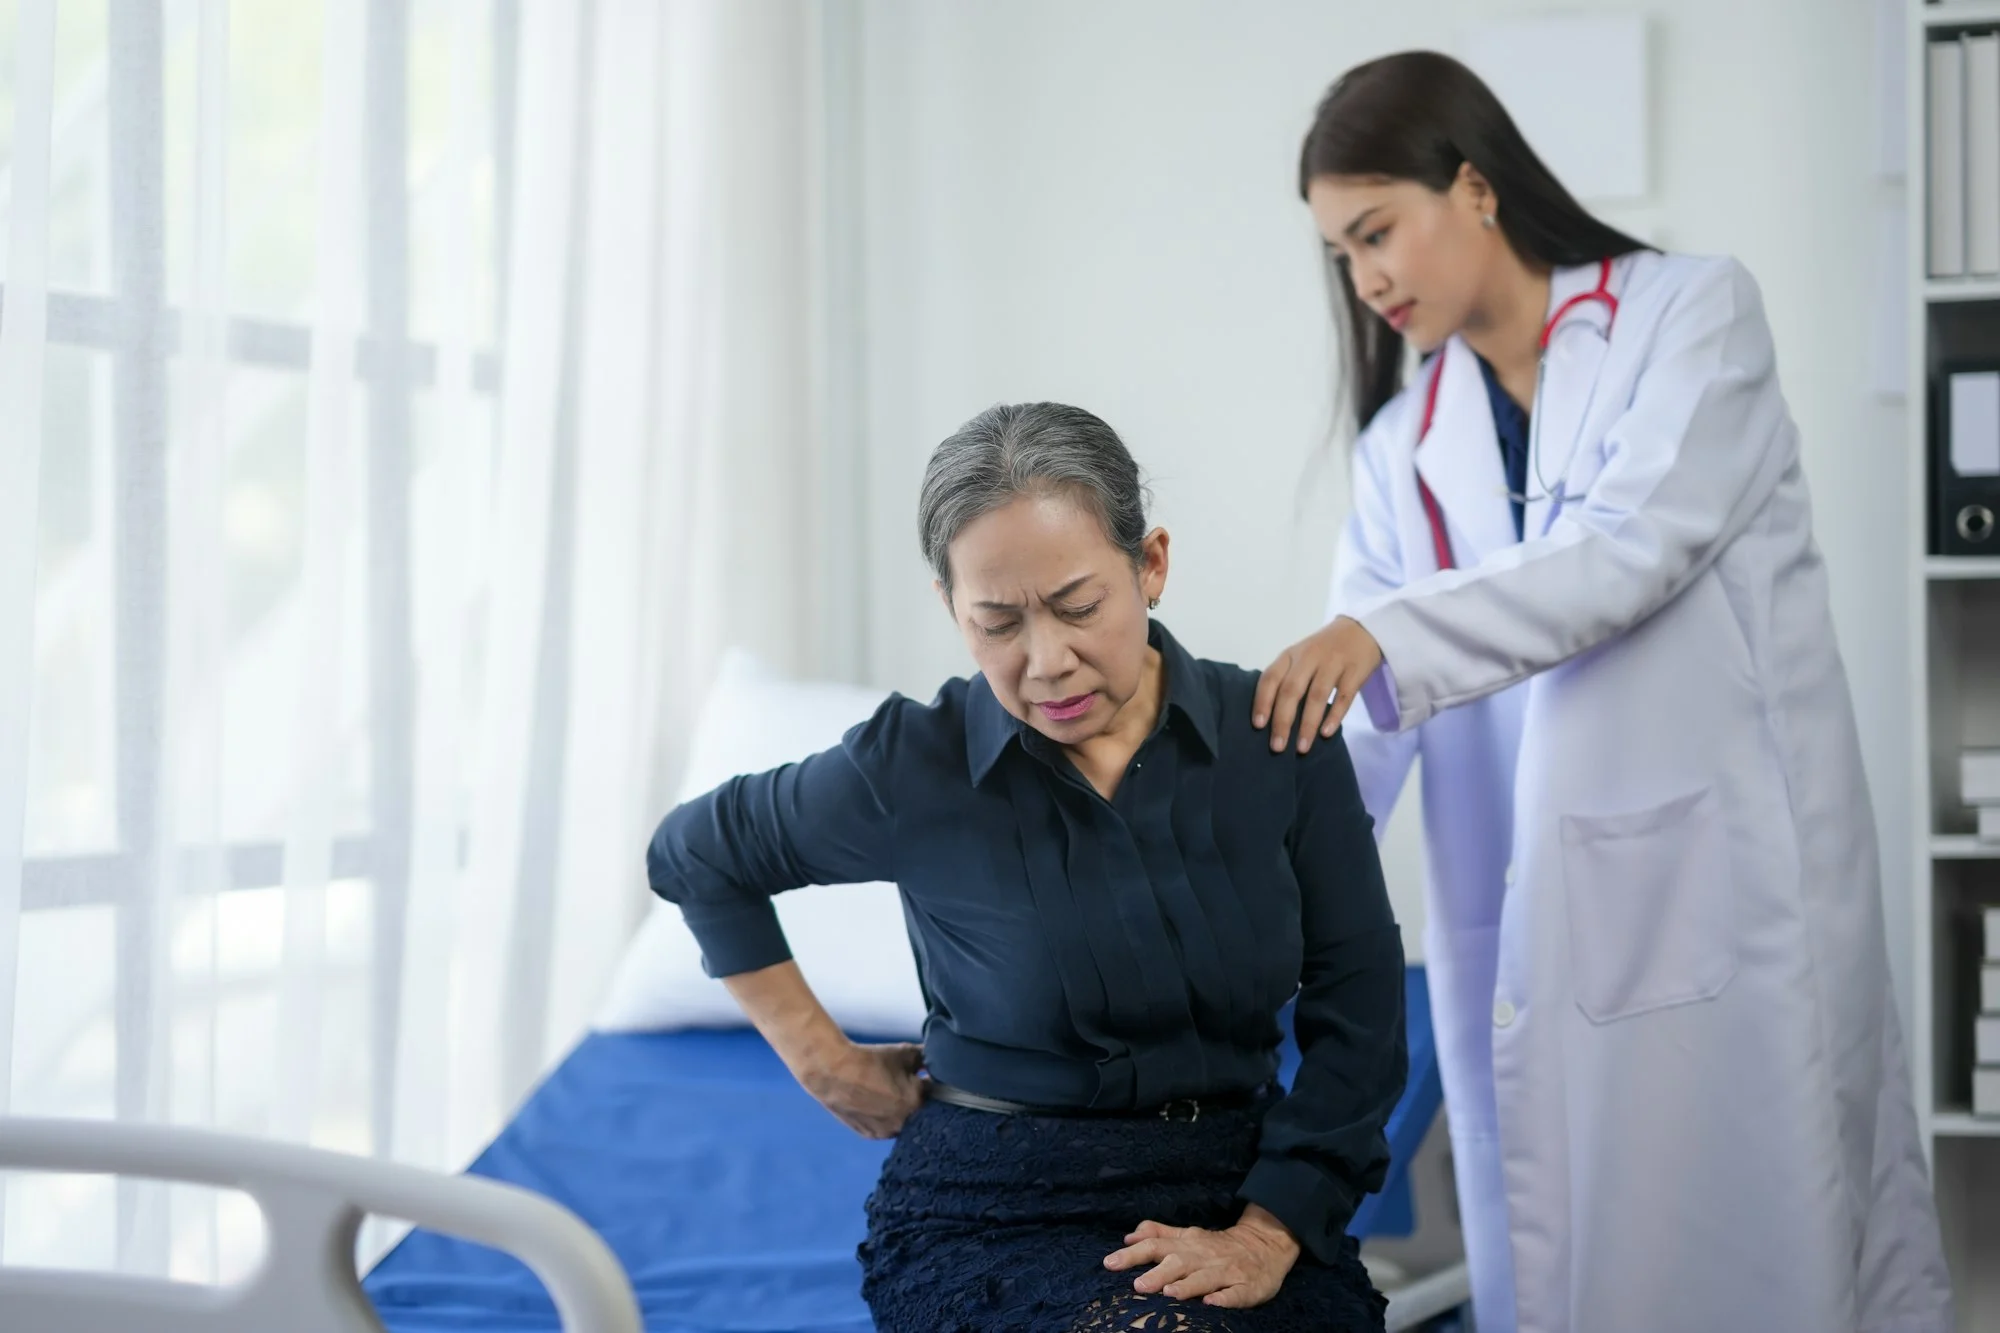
[1419, 116]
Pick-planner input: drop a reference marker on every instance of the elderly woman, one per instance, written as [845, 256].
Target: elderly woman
[1113, 887]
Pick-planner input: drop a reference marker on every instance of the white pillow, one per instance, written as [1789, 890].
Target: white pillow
[850, 940]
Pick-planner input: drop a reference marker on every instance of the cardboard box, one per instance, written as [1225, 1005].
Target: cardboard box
[1979, 777]
[1986, 1092]
[1986, 1040]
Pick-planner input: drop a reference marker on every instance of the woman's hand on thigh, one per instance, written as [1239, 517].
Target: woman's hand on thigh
[870, 1089]
[1237, 1268]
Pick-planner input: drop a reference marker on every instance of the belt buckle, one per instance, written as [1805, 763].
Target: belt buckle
[1189, 1104]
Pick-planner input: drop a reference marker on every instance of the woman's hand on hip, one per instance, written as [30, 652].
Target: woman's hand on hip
[870, 1089]
[1320, 674]
[1236, 1269]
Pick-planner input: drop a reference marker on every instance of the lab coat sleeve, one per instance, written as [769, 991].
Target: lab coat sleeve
[1699, 451]
[1369, 565]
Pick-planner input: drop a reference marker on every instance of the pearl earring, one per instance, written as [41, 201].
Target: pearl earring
[1152, 603]
[1487, 222]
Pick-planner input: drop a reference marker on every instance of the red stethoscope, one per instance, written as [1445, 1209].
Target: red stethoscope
[1440, 538]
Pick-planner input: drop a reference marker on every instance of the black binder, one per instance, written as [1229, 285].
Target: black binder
[1965, 504]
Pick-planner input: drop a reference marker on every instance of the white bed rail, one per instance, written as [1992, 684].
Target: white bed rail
[313, 1204]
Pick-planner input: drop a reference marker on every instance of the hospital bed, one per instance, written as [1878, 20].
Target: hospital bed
[731, 1201]
[734, 1201]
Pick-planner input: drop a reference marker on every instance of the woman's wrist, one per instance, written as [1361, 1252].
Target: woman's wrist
[1263, 1224]
[821, 1057]
[788, 1015]
[811, 1045]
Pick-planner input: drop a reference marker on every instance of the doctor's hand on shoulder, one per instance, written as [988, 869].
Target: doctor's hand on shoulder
[1314, 682]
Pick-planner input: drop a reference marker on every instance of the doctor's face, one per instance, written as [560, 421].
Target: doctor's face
[1054, 614]
[1416, 256]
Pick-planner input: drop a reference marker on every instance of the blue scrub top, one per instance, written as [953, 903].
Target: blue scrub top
[1510, 423]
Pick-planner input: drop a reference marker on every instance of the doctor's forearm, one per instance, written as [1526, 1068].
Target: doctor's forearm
[1689, 465]
[1462, 643]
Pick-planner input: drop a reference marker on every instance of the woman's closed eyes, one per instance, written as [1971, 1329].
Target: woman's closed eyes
[1076, 615]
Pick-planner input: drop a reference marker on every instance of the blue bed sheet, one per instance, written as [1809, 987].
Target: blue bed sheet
[732, 1199]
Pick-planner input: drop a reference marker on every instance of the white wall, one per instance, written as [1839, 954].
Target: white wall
[1095, 202]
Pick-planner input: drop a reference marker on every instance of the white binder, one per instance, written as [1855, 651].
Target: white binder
[1947, 159]
[1982, 153]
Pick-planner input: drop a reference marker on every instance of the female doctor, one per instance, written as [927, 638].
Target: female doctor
[1579, 579]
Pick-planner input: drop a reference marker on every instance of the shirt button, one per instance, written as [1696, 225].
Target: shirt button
[1503, 1014]
[1509, 877]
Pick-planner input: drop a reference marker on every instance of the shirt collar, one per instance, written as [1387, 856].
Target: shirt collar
[989, 728]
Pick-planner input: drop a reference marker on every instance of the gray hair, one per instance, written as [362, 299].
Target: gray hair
[1029, 449]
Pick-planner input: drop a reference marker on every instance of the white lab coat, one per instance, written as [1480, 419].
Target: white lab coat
[1671, 1055]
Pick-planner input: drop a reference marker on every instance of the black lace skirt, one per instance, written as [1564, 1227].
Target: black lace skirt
[1001, 1222]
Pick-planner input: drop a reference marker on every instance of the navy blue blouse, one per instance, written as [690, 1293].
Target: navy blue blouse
[1510, 423]
[1076, 951]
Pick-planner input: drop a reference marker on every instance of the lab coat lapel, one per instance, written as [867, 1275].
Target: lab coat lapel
[1460, 460]
[1412, 524]
[1570, 367]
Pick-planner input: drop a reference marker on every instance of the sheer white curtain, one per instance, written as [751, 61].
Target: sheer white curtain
[402, 402]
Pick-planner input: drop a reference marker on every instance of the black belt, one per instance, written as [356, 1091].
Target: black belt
[1183, 1108]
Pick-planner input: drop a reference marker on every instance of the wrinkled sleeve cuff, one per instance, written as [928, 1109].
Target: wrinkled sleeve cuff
[737, 937]
[1393, 704]
[1314, 1207]
[1378, 694]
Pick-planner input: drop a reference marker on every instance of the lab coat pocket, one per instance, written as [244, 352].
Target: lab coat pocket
[1651, 915]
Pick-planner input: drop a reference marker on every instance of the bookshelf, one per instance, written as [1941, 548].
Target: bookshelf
[1954, 633]
[1962, 289]
[1950, 16]
[1960, 567]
